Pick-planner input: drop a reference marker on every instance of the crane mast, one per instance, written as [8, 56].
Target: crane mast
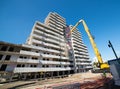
[102, 65]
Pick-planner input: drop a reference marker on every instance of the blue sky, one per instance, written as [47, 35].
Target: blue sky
[17, 18]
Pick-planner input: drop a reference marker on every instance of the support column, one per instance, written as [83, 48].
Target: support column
[69, 72]
[35, 76]
[63, 73]
[44, 75]
[57, 73]
[51, 74]
[25, 76]
[11, 75]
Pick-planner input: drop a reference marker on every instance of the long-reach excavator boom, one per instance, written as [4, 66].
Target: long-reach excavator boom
[102, 65]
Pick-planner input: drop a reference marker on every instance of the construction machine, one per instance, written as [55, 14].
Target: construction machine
[112, 65]
[102, 65]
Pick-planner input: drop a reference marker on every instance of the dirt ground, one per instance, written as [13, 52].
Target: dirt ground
[85, 79]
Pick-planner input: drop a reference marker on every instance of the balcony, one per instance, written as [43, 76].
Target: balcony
[58, 29]
[54, 56]
[38, 42]
[57, 25]
[38, 31]
[53, 25]
[59, 19]
[49, 31]
[8, 52]
[88, 67]
[20, 60]
[65, 58]
[54, 51]
[82, 56]
[55, 46]
[77, 40]
[55, 62]
[51, 40]
[83, 60]
[48, 50]
[61, 24]
[55, 37]
[47, 44]
[37, 36]
[44, 38]
[29, 53]
[78, 55]
[82, 63]
[50, 56]
[81, 51]
[29, 69]
[46, 30]
[55, 32]
[79, 46]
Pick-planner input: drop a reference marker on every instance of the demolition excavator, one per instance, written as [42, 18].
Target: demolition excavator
[101, 64]
[112, 65]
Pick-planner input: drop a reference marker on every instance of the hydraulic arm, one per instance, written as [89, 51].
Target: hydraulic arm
[102, 65]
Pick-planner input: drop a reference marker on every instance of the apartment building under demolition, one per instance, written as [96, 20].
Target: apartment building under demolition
[48, 52]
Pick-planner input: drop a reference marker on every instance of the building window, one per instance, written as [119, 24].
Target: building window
[7, 57]
[23, 65]
[70, 65]
[35, 65]
[43, 58]
[47, 66]
[31, 65]
[4, 48]
[11, 49]
[1, 56]
[37, 51]
[43, 65]
[34, 58]
[23, 57]
[18, 65]
[36, 44]
[3, 67]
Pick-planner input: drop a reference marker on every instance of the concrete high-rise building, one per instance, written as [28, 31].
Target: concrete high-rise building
[46, 52]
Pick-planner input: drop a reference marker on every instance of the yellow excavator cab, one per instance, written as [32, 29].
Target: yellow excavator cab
[104, 66]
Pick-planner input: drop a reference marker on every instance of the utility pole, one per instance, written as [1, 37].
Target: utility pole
[110, 45]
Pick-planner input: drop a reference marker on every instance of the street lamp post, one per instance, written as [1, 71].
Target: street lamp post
[110, 45]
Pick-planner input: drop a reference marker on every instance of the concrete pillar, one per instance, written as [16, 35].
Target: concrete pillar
[35, 76]
[20, 76]
[51, 74]
[44, 75]
[11, 75]
[69, 72]
[58, 73]
[63, 73]
[25, 76]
